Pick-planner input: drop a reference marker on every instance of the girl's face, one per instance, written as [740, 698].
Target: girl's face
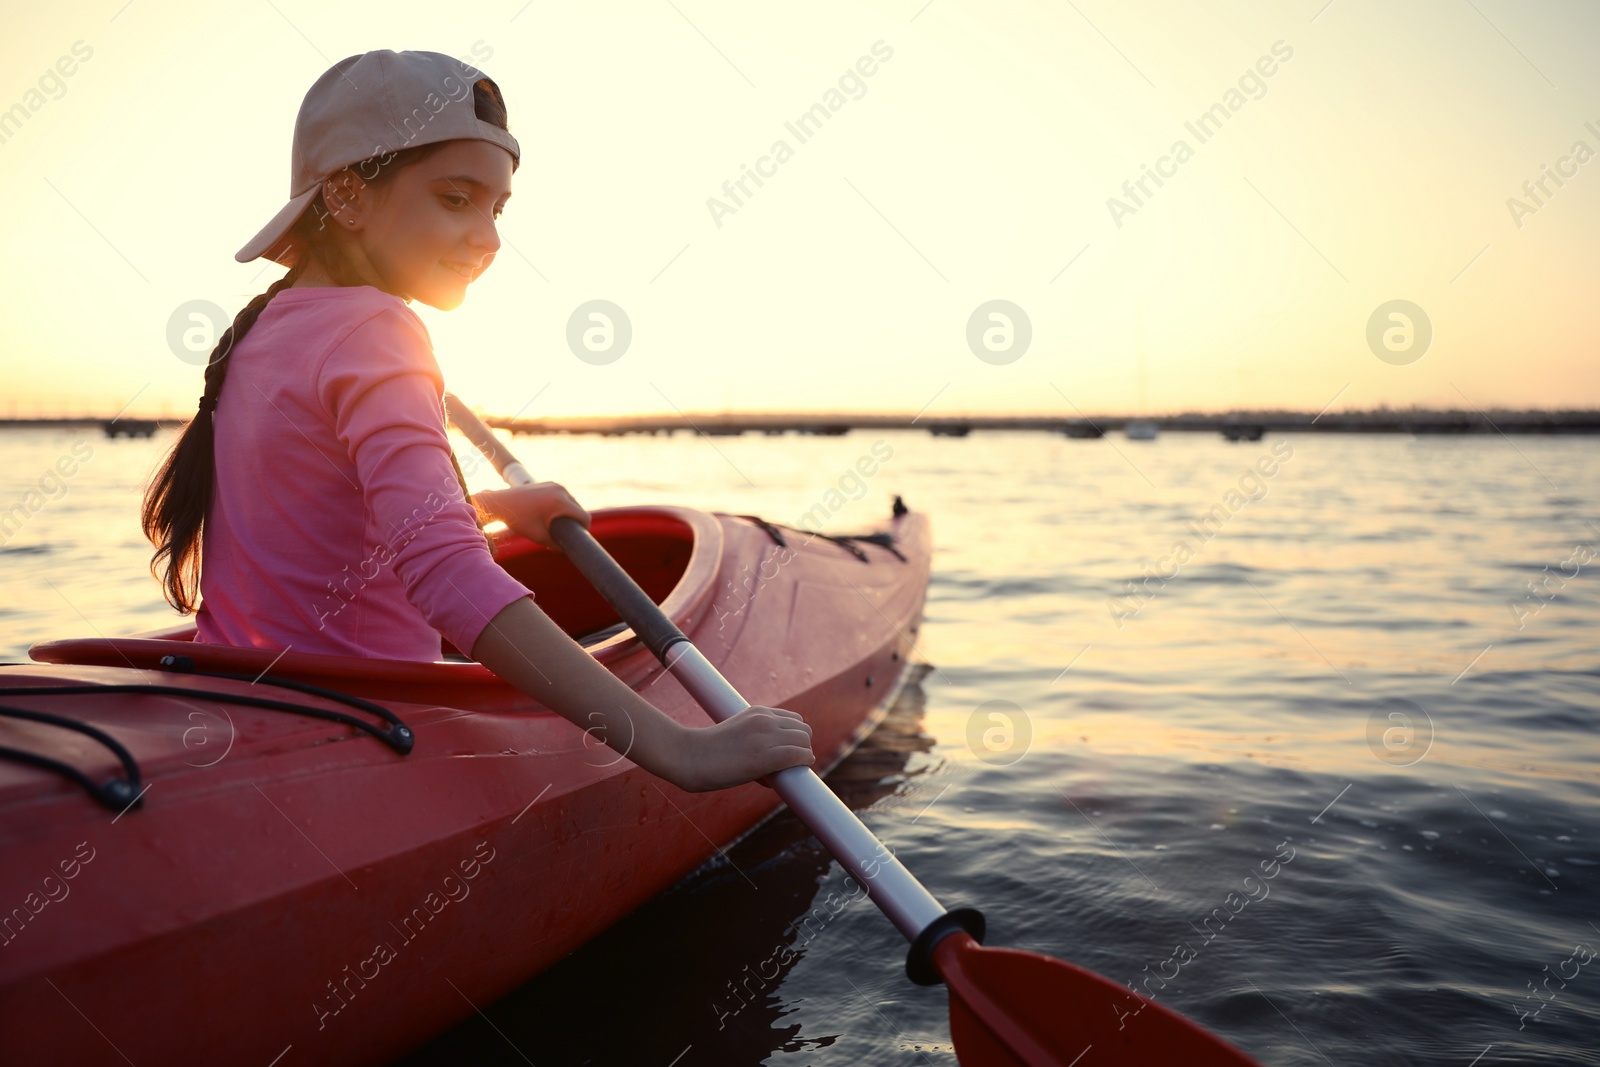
[430, 231]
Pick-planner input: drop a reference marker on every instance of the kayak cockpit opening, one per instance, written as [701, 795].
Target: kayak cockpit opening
[653, 545]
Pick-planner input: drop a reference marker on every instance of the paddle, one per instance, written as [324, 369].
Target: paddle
[1007, 1007]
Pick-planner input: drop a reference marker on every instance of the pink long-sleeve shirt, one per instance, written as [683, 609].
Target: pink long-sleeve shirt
[337, 525]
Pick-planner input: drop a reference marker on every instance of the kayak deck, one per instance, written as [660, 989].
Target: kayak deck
[290, 881]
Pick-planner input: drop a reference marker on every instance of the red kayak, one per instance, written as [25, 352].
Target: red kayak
[218, 855]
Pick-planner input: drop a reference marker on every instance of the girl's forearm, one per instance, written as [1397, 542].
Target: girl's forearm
[522, 645]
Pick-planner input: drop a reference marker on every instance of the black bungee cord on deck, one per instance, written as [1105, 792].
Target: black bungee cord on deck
[844, 541]
[121, 794]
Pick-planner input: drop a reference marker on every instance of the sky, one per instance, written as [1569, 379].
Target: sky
[1358, 154]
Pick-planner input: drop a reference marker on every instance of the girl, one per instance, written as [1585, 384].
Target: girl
[317, 502]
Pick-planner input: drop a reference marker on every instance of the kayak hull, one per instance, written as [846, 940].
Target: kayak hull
[289, 886]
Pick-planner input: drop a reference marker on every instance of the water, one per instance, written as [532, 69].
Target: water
[1444, 865]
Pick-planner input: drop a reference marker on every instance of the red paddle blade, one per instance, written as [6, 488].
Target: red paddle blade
[1021, 1009]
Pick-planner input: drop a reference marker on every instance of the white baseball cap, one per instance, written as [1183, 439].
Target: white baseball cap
[368, 106]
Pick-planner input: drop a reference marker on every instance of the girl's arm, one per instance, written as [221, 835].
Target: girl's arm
[383, 389]
[522, 645]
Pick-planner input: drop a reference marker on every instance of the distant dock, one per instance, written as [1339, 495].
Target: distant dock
[1235, 426]
[118, 427]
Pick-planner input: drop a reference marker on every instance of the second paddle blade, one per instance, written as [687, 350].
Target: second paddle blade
[1021, 1009]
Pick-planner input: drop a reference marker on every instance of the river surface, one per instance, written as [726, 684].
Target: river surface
[1373, 672]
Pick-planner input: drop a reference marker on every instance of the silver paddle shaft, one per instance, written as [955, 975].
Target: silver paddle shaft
[895, 890]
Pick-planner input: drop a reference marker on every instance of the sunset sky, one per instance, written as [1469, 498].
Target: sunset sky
[978, 162]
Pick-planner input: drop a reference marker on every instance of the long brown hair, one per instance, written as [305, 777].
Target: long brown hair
[179, 496]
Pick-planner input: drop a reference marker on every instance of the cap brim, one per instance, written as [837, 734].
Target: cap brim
[272, 240]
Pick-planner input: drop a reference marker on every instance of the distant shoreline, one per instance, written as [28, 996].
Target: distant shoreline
[1245, 425]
